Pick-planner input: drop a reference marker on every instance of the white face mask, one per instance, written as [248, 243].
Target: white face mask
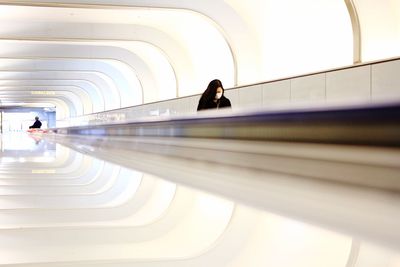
[218, 95]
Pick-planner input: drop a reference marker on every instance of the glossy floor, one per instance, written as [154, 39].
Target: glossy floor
[59, 207]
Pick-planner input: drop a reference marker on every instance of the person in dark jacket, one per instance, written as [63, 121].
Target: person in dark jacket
[213, 97]
[37, 124]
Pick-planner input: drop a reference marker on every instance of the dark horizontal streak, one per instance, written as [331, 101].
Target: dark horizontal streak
[376, 125]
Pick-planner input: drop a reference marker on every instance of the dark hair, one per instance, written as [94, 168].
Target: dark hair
[211, 90]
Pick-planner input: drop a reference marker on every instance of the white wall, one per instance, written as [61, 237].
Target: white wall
[366, 83]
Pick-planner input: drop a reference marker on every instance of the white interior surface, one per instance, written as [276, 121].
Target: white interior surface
[100, 61]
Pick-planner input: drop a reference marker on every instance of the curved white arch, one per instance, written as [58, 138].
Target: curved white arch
[212, 59]
[65, 108]
[130, 89]
[380, 28]
[86, 89]
[78, 97]
[71, 99]
[125, 88]
[101, 83]
[355, 23]
[244, 27]
[158, 80]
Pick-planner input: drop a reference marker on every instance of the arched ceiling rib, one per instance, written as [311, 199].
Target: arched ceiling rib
[355, 23]
[158, 80]
[100, 82]
[215, 50]
[77, 95]
[65, 108]
[151, 24]
[220, 14]
[84, 89]
[158, 83]
[253, 37]
[111, 69]
[242, 22]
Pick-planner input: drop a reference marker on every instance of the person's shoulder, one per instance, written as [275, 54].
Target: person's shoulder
[226, 100]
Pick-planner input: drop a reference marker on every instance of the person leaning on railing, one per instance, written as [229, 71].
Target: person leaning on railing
[213, 97]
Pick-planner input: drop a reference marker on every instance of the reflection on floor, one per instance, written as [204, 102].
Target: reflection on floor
[62, 208]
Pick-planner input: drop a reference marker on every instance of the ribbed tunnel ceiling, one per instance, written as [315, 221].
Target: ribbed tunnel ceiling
[146, 54]
[122, 53]
[59, 207]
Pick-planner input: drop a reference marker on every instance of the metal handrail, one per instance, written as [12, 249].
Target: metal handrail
[377, 125]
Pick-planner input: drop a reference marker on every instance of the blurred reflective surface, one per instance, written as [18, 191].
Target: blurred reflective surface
[59, 206]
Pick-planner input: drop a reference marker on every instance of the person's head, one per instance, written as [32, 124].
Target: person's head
[36, 118]
[215, 90]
